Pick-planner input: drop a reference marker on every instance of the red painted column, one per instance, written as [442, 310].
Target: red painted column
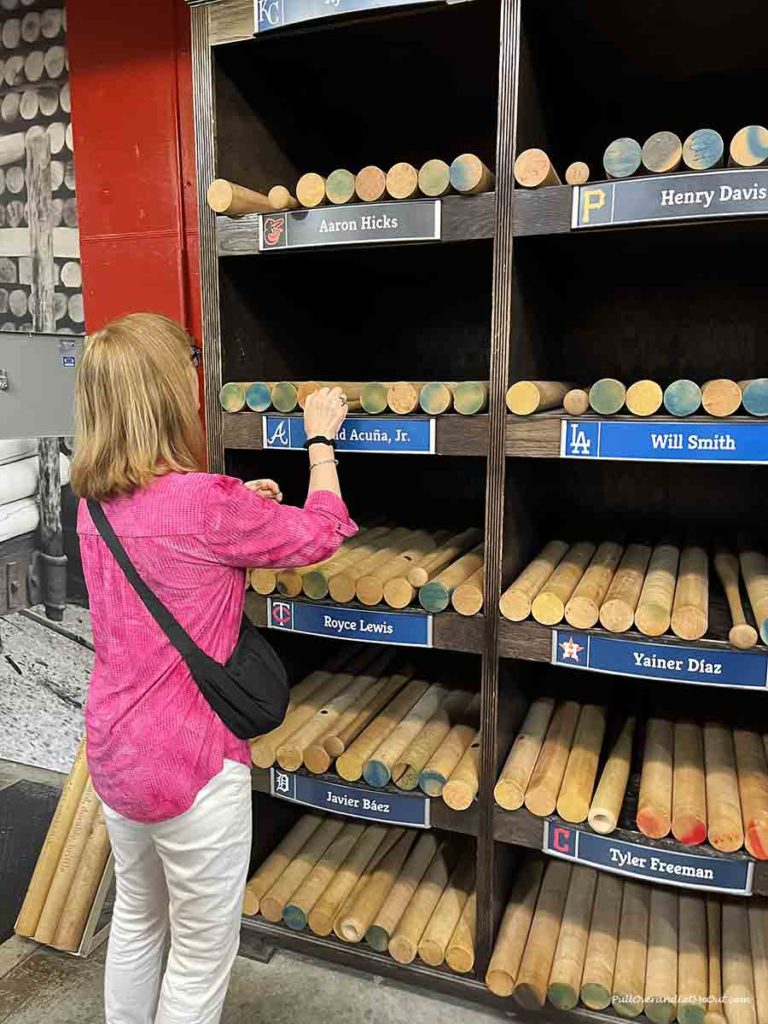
[130, 73]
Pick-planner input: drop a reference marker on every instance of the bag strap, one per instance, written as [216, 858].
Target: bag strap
[175, 632]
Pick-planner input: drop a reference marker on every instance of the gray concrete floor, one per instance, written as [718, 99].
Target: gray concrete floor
[41, 986]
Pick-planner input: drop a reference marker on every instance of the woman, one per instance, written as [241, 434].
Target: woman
[175, 782]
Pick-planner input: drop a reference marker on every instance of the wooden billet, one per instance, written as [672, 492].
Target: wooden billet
[714, 962]
[369, 588]
[447, 552]
[503, 968]
[276, 863]
[368, 557]
[436, 397]
[754, 396]
[544, 786]
[387, 919]
[340, 187]
[581, 770]
[654, 609]
[753, 790]
[404, 942]
[339, 738]
[690, 611]
[509, 792]
[373, 397]
[280, 198]
[314, 582]
[606, 804]
[583, 608]
[577, 173]
[617, 612]
[721, 397]
[285, 397]
[662, 153]
[631, 951]
[69, 859]
[600, 959]
[403, 396]
[449, 754]
[469, 175]
[402, 181]
[568, 965]
[576, 402]
[725, 830]
[82, 892]
[447, 914]
[607, 396]
[435, 178]
[548, 607]
[371, 184]
[525, 397]
[351, 763]
[435, 596]
[360, 915]
[406, 770]
[273, 902]
[749, 147]
[467, 598]
[226, 197]
[391, 838]
[310, 190]
[692, 962]
[689, 795]
[350, 389]
[682, 397]
[533, 974]
[622, 158]
[654, 805]
[470, 397]
[738, 973]
[232, 396]
[298, 908]
[460, 954]
[56, 837]
[703, 150]
[661, 978]
[378, 769]
[534, 169]
[754, 568]
[741, 634]
[462, 786]
[258, 396]
[758, 934]
[644, 398]
[324, 912]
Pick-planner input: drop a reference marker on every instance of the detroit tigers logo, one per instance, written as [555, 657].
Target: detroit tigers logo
[282, 783]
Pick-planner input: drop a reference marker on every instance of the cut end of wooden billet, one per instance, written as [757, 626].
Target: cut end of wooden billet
[742, 636]
[373, 397]
[285, 396]
[435, 178]
[577, 173]
[468, 174]
[644, 398]
[258, 397]
[402, 181]
[607, 396]
[534, 169]
[682, 398]
[436, 398]
[225, 197]
[371, 184]
[576, 402]
[470, 397]
[340, 186]
[749, 146]
[662, 153]
[310, 190]
[703, 150]
[232, 397]
[623, 158]
[280, 198]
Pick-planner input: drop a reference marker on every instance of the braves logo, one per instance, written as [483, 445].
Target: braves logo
[282, 615]
[273, 230]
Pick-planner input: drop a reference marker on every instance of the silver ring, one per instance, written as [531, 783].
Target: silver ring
[342, 399]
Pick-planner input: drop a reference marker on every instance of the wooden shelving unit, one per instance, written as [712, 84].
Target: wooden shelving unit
[519, 293]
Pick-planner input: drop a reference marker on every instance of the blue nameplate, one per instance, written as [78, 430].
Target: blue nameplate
[277, 13]
[354, 801]
[400, 629]
[356, 224]
[667, 867]
[670, 663]
[357, 434]
[657, 197]
[664, 441]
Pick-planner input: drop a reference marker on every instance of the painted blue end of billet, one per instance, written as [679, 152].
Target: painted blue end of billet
[755, 397]
[258, 397]
[633, 860]
[682, 398]
[671, 663]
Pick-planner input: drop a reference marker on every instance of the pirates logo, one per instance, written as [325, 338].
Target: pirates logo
[282, 615]
[273, 228]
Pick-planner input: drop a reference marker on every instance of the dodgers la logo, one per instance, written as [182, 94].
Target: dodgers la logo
[282, 615]
[273, 230]
[279, 436]
[578, 442]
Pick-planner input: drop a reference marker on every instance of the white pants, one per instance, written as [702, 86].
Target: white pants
[189, 873]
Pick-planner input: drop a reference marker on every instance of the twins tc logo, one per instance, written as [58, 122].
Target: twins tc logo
[273, 228]
[282, 615]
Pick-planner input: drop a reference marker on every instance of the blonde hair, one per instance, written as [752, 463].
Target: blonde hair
[135, 411]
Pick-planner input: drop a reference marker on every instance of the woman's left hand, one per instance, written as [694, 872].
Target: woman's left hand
[266, 488]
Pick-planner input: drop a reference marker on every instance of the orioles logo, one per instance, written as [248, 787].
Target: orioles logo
[273, 230]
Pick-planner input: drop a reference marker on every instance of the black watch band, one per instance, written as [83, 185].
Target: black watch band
[319, 439]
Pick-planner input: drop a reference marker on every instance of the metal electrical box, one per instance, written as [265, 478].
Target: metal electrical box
[37, 384]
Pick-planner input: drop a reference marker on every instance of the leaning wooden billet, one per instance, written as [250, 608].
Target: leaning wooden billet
[406, 770]
[449, 754]
[435, 596]
[339, 738]
[461, 788]
[721, 397]
[534, 169]
[682, 397]
[622, 158]
[371, 184]
[310, 190]
[600, 957]
[387, 919]
[568, 965]
[689, 796]
[234, 200]
[703, 150]
[548, 607]
[280, 198]
[654, 805]
[402, 181]
[577, 173]
[690, 611]
[273, 902]
[391, 838]
[632, 950]
[400, 591]
[725, 829]
[741, 634]
[460, 953]
[692, 963]
[503, 969]
[469, 175]
[378, 769]
[276, 863]
[404, 941]
[738, 973]
[583, 608]
[753, 788]
[370, 587]
[82, 892]
[340, 186]
[607, 396]
[468, 597]
[581, 770]
[654, 609]
[360, 915]
[516, 600]
[447, 914]
[662, 153]
[617, 612]
[544, 786]
[754, 568]
[525, 397]
[661, 980]
[606, 804]
[324, 912]
[518, 768]
[298, 908]
[435, 178]
[644, 398]
[749, 147]
[535, 967]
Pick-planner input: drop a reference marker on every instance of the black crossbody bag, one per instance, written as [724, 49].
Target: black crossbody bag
[249, 693]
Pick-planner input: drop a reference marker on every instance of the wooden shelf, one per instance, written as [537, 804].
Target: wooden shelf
[441, 815]
[454, 434]
[521, 828]
[451, 631]
[463, 219]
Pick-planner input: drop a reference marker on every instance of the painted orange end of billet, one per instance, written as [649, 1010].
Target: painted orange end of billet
[693, 835]
[653, 824]
[757, 840]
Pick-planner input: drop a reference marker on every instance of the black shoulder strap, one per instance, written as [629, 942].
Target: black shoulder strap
[178, 636]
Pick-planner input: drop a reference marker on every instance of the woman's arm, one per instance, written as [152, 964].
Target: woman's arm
[324, 412]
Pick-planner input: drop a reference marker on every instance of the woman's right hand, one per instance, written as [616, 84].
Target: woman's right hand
[324, 412]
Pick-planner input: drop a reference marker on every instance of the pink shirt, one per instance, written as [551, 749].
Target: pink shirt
[153, 740]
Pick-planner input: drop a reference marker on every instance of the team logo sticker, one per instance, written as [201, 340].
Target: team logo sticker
[273, 231]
